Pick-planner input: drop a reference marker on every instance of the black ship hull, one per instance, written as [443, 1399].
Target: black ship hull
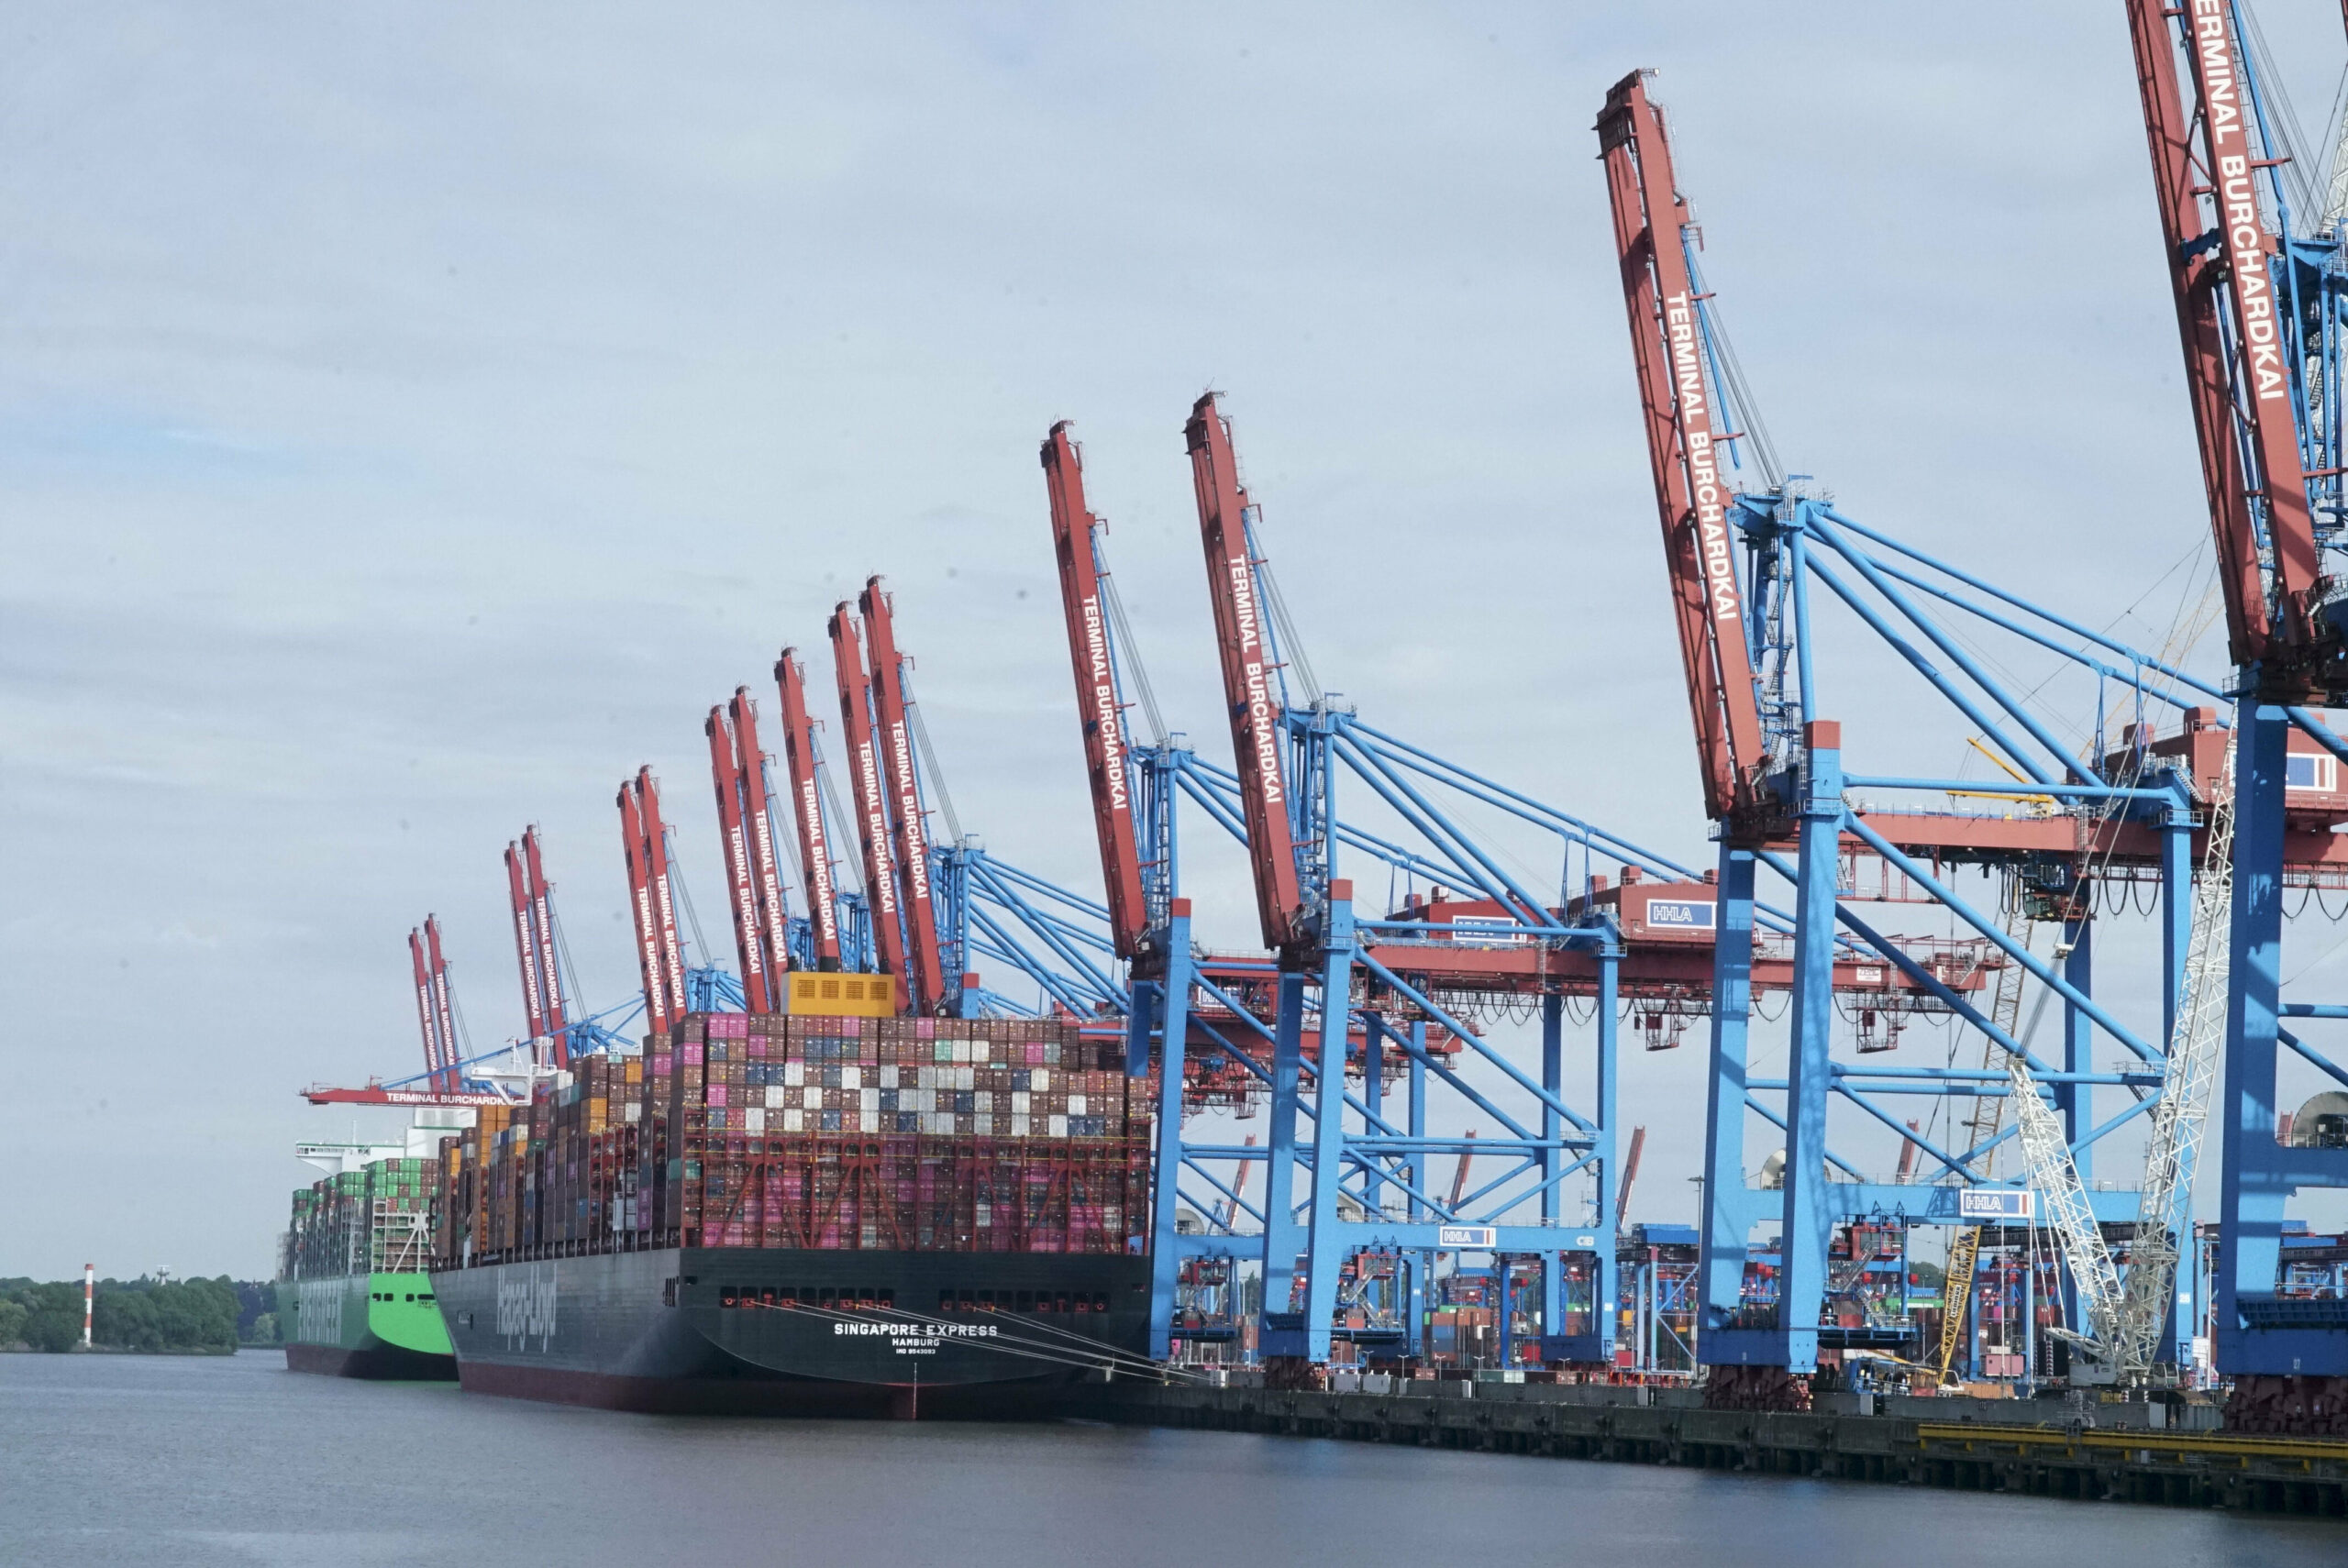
[378, 1363]
[772, 1330]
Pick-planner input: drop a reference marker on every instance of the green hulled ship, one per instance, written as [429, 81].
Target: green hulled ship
[353, 1297]
[365, 1325]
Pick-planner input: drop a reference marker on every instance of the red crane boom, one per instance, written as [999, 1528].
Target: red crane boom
[741, 888]
[526, 946]
[1102, 715]
[443, 1010]
[426, 1015]
[664, 903]
[1683, 446]
[926, 977]
[871, 807]
[664, 1002]
[1249, 669]
[807, 809]
[2203, 177]
[766, 861]
[557, 1019]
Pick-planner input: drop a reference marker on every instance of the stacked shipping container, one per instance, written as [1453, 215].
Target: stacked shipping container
[361, 1221]
[768, 1130]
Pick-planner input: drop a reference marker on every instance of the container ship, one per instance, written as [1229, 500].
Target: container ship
[795, 1214]
[354, 1297]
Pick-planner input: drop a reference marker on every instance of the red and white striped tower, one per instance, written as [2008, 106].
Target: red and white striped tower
[89, 1300]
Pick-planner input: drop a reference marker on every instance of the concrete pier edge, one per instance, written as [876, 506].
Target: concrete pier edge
[2182, 1468]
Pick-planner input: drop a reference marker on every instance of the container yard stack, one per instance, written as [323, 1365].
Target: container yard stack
[805, 1211]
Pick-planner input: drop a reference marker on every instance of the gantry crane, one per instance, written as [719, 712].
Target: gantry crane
[1745, 549]
[1475, 940]
[2261, 292]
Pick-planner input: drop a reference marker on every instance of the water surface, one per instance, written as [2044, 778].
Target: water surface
[234, 1461]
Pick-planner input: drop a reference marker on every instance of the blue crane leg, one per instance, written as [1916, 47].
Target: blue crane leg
[1324, 1242]
[1172, 1000]
[1808, 1209]
[1280, 1229]
[1729, 1209]
[1553, 1127]
[2074, 1100]
[2252, 1189]
[1605, 1276]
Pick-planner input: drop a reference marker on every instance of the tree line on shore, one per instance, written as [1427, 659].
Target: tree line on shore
[143, 1314]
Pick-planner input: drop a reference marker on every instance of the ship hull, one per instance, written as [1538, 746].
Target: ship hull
[378, 1363]
[867, 1334]
[384, 1327]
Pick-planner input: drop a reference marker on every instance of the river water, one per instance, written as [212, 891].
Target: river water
[196, 1461]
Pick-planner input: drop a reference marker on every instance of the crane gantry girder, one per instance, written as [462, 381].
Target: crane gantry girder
[1107, 752]
[2236, 328]
[406, 1098]
[800, 763]
[901, 779]
[1684, 452]
[1250, 678]
[1649, 972]
[871, 801]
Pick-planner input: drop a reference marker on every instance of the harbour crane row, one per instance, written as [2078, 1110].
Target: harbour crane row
[1421, 996]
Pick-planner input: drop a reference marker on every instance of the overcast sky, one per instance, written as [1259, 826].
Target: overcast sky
[411, 420]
